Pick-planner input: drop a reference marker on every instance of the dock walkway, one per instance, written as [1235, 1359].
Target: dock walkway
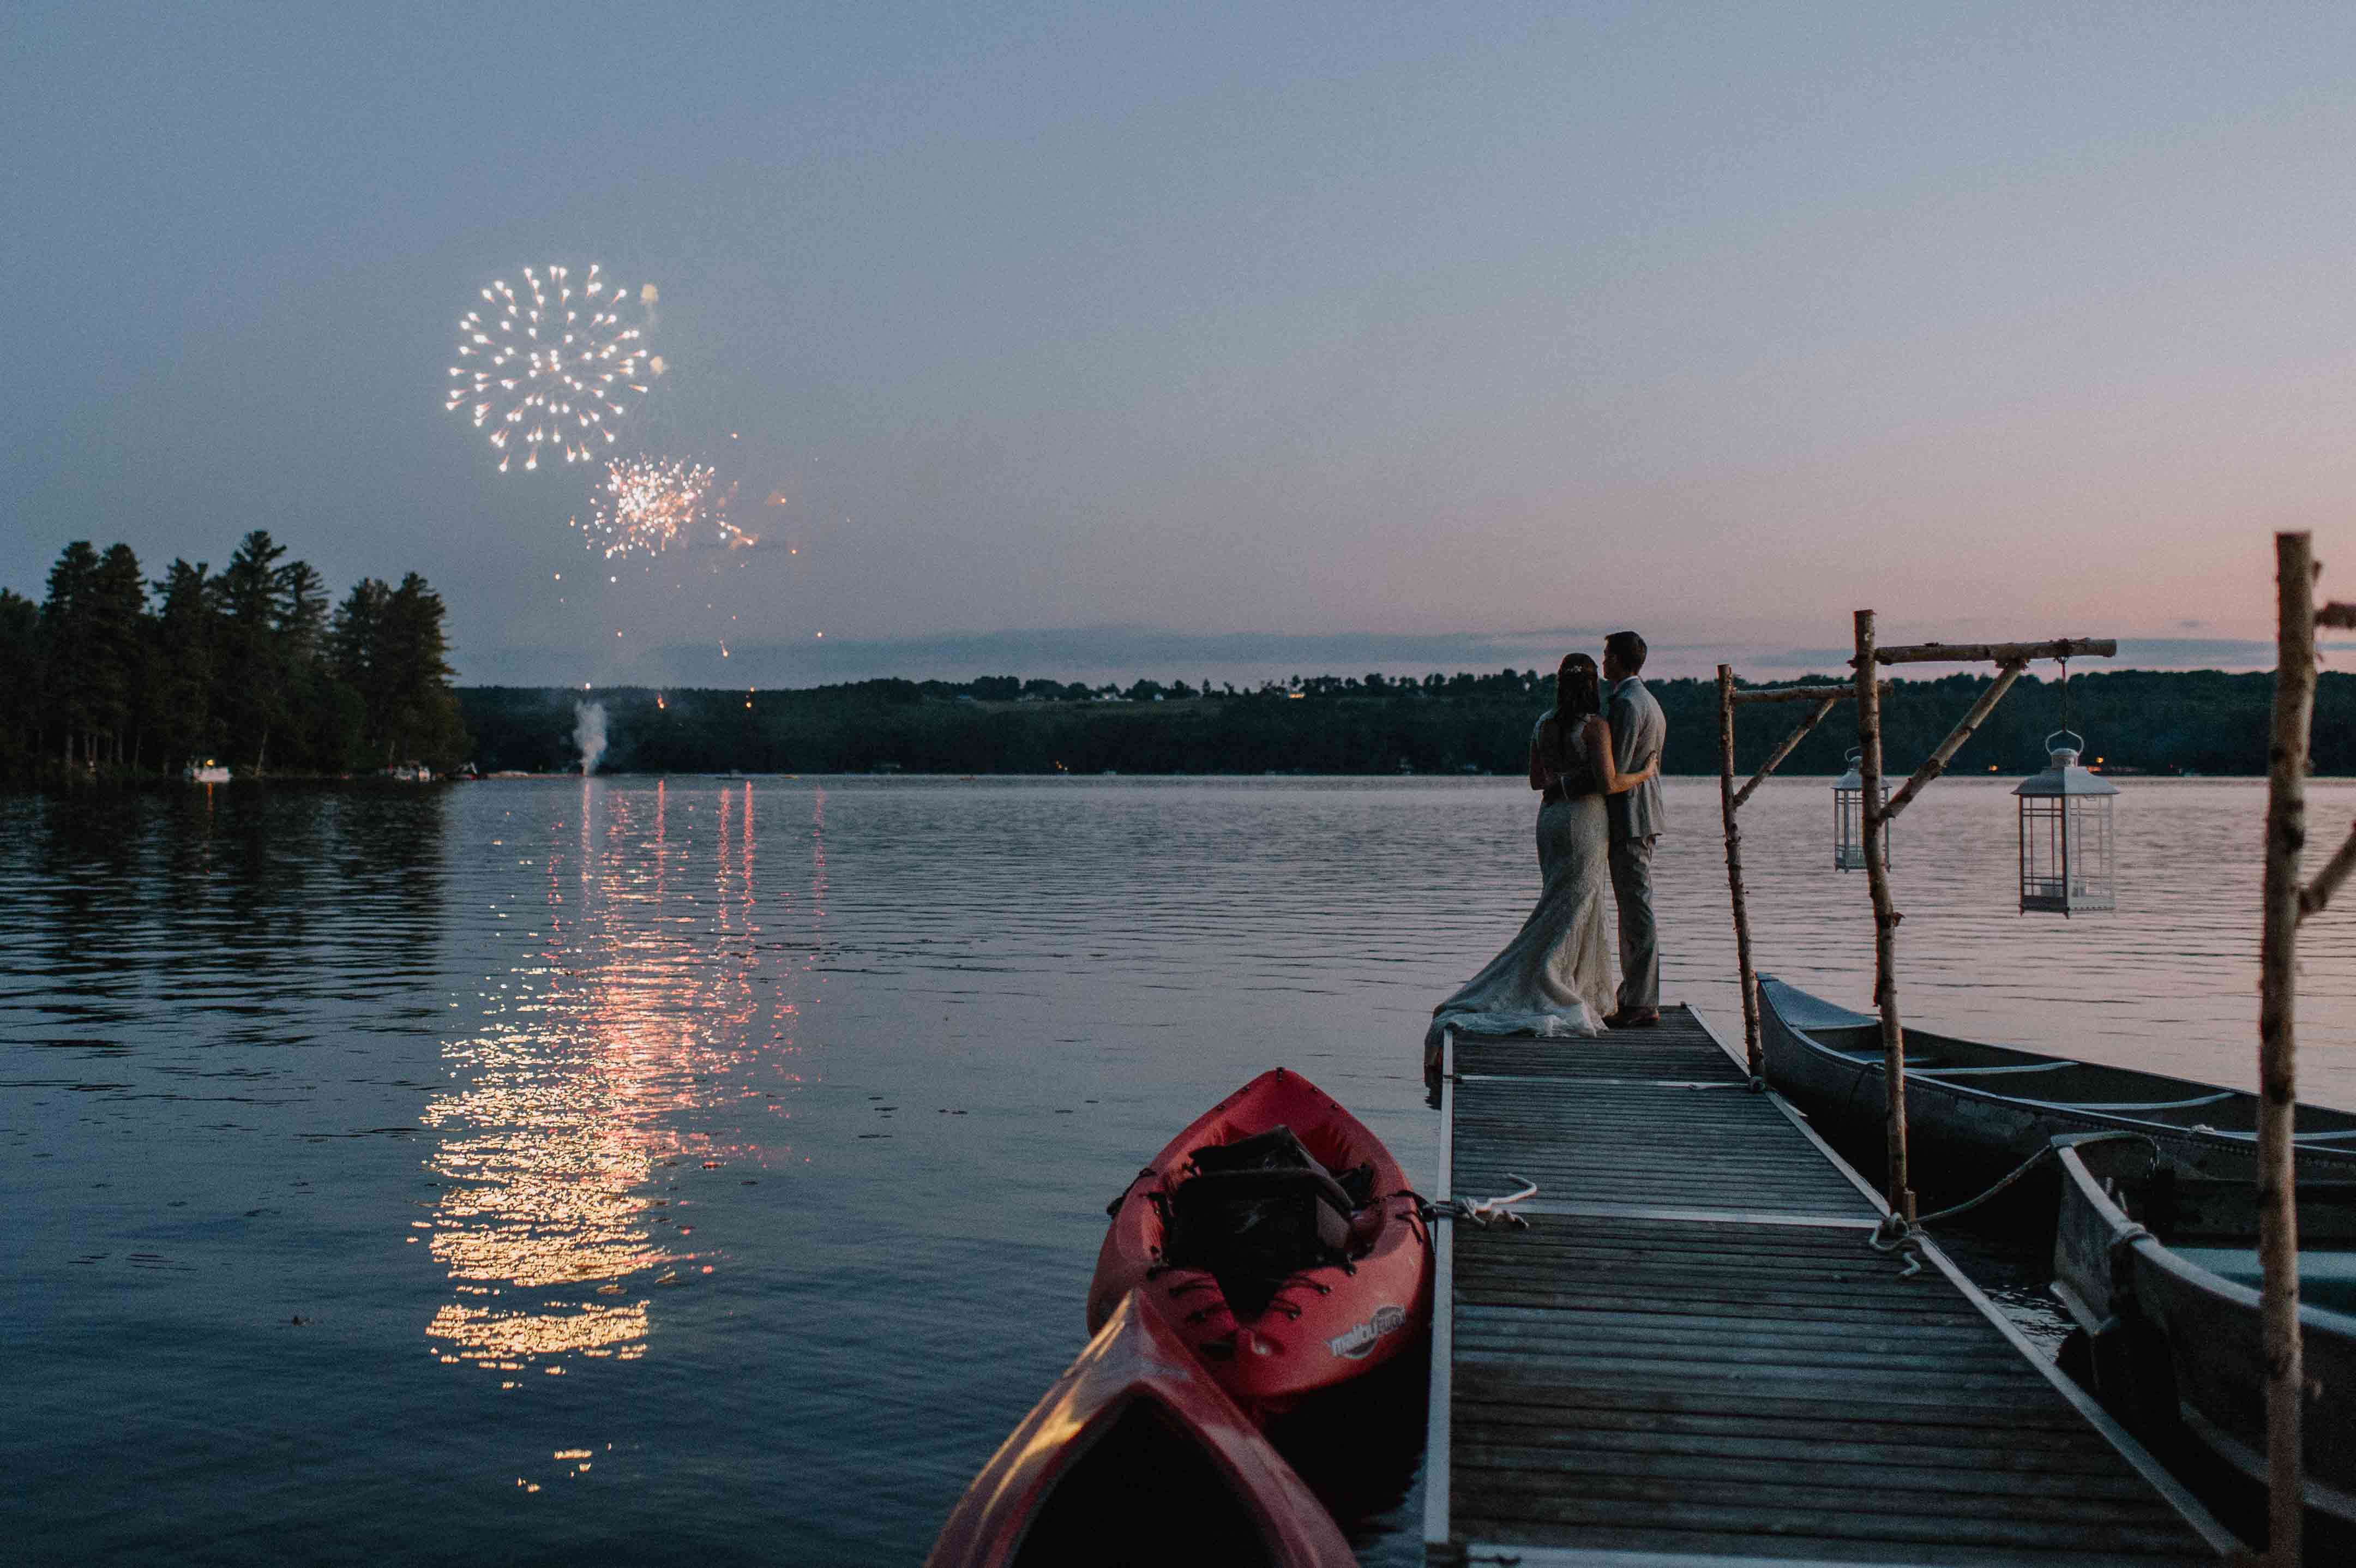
[1694, 1356]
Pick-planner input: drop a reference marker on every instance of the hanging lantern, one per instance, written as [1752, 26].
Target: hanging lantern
[2066, 862]
[1848, 817]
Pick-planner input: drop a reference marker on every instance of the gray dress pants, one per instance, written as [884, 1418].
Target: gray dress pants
[1640, 940]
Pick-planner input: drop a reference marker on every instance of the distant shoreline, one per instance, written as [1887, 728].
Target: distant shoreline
[2146, 723]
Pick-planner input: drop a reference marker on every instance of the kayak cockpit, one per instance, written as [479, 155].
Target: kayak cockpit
[1258, 1213]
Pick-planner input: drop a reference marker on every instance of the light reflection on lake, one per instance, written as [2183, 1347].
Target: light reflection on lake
[335, 1113]
[578, 1090]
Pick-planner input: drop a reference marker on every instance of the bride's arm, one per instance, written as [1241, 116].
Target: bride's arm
[1538, 773]
[1607, 777]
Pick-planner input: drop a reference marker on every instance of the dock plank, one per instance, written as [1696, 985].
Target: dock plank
[1693, 1351]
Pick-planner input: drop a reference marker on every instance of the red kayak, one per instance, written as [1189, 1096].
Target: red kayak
[1135, 1456]
[1278, 1237]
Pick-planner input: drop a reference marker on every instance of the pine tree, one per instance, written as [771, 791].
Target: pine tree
[412, 663]
[68, 627]
[181, 694]
[118, 605]
[302, 618]
[352, 654]
[315, 741]
[23, 699]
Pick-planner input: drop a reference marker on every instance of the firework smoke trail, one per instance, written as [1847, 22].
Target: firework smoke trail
[649, 504]
[589, 734]
[551, 364]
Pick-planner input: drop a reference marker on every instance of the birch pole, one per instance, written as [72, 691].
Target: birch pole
[1899, 1185]
[2278, 1045]
[1791, 743]
[1727, 805]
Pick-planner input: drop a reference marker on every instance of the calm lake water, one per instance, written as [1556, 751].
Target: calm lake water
[712, 1172]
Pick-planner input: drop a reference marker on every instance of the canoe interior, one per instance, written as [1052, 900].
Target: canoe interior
[2191, 1211]
[1146, 1494]
[2325, 1278]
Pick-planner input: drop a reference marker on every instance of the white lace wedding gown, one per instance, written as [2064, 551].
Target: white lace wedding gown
[1554, 979]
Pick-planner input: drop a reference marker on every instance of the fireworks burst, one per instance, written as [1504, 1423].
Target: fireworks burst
[549, 365]
[649, 504]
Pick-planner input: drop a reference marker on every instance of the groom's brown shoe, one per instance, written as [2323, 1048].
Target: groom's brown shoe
[1634, 1018]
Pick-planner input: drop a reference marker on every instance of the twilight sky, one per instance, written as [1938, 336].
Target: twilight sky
[1091, 340]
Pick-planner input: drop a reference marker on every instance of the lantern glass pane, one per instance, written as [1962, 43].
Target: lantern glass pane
[2089, 824]
[2066, 850]
[1849, 829]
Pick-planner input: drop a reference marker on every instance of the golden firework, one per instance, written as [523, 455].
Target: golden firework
[649, 504]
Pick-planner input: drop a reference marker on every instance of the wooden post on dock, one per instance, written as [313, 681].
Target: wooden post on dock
[1729, 804]
[2278, 1044]
[2286, 903]
[1898, 1183]
[1750, 975]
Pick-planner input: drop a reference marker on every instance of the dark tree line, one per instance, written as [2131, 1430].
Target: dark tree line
[113, 673]
[2198, 721]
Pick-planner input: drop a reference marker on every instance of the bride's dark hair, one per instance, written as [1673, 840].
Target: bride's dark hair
[1578, 689]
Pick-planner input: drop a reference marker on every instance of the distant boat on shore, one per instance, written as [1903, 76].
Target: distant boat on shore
[205, 772]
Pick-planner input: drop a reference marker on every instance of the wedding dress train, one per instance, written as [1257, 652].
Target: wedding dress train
[1554, 979]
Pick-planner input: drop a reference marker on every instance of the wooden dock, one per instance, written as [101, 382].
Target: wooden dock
[1694, 1355]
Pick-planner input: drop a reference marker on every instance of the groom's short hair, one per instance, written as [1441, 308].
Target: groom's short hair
[1627, 650]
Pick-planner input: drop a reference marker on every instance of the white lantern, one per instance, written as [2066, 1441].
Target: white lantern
[2066, 862]
[1848, 817]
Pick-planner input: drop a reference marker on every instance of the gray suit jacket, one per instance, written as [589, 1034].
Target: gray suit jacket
[1638, 731]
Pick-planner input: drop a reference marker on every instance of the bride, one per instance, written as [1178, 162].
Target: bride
[1554, 978]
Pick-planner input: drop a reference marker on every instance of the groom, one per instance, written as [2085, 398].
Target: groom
[1636, 817]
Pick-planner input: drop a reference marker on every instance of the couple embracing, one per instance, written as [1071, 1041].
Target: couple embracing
[1597, 759]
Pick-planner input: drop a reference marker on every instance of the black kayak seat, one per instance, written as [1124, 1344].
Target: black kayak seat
[1216, 1186]
[1257, 1212]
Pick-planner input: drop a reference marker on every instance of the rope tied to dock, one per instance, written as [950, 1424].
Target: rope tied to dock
[1484, 1212]
[1897, 1234]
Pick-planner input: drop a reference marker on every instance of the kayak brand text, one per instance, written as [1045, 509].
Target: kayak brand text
[1360, 1337]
